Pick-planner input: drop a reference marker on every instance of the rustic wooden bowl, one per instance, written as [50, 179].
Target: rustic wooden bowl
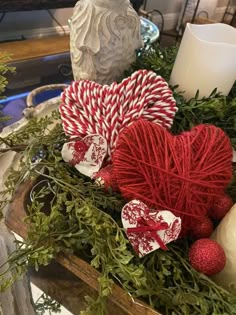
[120, 303]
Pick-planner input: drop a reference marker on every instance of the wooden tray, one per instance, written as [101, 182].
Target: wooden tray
[122, 302]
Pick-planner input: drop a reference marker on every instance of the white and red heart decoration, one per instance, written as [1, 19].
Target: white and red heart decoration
[149, 230]
[86, 155]
[90, 108]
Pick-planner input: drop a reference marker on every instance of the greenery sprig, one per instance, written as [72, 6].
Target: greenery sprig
[4, 69]
[45, 304]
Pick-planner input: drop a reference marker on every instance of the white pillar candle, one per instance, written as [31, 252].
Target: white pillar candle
[225, 235]
[206, 60]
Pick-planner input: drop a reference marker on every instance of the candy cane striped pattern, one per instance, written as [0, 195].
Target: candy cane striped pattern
[90, 108]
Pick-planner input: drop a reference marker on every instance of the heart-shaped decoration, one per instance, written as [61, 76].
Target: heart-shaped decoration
[90, 108]
[181, 173]
[149, 230]
[85, 155]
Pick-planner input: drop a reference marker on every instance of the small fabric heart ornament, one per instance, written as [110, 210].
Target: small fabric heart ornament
[183, 173]
[86, 155]
[149, 230]
[90, 108]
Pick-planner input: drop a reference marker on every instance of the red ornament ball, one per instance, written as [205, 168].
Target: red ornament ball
[203, 228]
[106, 178]
[207, 256]
[222, 205]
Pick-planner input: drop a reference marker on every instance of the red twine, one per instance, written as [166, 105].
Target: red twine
[152, 227]
[181, 173]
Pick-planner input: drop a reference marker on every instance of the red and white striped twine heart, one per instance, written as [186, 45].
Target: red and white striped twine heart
[90, 108]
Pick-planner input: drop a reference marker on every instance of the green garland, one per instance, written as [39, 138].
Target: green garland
[85, 220]
[46, 303]
[4, 58]
[4, 69]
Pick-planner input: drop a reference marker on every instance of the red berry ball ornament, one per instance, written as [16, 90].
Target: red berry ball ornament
[105, 178]
[221, 206]
[203, 228]
[207, 256]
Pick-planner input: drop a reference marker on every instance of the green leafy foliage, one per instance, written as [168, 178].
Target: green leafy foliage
[69, 214]
[46, 305]
[216, 109]
[156, 59]
[4, 68]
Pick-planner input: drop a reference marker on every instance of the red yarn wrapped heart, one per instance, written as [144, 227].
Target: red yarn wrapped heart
[180, 173]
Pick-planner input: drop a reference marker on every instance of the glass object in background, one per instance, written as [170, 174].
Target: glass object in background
[149, 31]
[205, 60]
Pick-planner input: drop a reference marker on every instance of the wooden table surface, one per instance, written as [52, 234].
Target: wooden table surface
[36, 47]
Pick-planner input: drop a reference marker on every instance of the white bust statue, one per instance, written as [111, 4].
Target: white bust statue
[103, 39]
